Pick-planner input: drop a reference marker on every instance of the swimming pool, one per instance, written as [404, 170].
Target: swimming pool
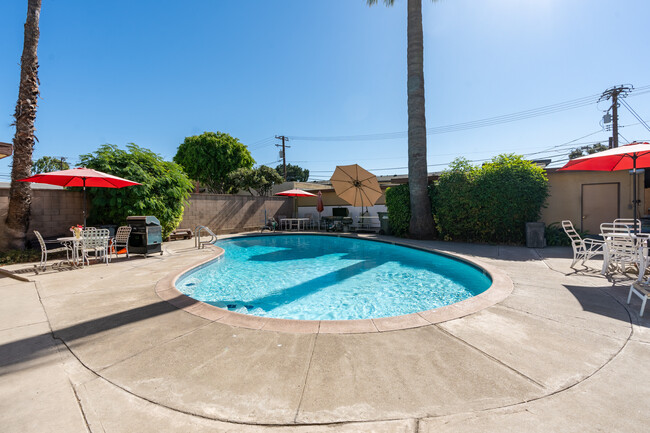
[316, 277]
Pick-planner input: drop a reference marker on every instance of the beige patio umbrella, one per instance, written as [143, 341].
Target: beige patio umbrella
[356, 185]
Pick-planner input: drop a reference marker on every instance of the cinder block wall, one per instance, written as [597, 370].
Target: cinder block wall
[233, 213]
[53, 211]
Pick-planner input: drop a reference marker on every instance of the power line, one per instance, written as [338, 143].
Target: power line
[572, 143]
[634, 113]
[549, 109]
[481, 123]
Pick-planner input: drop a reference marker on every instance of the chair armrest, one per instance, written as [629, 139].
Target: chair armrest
[594, 245]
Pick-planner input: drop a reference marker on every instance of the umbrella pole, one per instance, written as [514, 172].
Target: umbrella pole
[84, 181]
[634, 189]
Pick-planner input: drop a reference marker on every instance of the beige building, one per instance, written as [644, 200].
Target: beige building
[589, 198]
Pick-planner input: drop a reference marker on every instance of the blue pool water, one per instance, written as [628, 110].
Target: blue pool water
[311, 277]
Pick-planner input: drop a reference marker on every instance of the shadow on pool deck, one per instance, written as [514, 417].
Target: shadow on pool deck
[30, 348]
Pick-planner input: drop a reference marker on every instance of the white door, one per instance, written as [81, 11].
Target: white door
[600, 204]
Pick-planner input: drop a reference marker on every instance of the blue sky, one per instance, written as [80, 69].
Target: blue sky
[154, 72]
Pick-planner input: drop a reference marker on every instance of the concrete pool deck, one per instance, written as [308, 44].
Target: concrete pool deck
[96, 349]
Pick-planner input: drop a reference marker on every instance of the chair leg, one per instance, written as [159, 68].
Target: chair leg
[629, 296]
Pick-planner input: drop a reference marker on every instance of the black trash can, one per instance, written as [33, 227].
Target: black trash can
[535, 237]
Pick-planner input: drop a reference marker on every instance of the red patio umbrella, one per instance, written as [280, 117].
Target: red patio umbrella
[81, 177]
[319, 206]
[629, 157]
[296, 193]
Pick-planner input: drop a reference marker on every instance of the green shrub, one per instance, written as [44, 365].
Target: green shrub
[164, 191]
[209, 158]
[491, 203]
[398, 202]
[20, 256]
[454, 202]
[399, 209]
[557, 237]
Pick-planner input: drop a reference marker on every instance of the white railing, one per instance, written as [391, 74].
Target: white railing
[198, 243]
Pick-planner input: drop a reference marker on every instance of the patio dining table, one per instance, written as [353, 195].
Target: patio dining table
[287, 223]
[637, 255]
[72, 243]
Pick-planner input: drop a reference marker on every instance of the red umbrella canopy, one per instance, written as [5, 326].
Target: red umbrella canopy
[319, 205]
[296, 193]
[80, 177]
[633, 155]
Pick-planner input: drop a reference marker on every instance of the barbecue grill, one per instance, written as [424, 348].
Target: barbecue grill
[146, 235]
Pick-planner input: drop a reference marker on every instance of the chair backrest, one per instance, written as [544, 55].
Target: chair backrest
[614, 228]
[619, 241]
[629, 222]
[122, 234]
[94, 238]
[40, 240]
[571, 232]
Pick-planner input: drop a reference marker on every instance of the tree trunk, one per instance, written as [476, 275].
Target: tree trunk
[421, 224]
[20, 193]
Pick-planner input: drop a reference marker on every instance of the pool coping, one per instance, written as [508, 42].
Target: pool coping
[500, 289]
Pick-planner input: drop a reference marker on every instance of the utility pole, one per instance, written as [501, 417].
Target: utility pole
[284, 154]
[614, 93]
[62, 161]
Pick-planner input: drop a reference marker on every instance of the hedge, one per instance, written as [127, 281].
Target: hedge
[491, 203]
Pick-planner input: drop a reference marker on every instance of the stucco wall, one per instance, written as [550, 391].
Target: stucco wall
[331, 199]
[565, 187]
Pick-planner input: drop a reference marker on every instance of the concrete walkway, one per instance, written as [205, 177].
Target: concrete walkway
[96, 349]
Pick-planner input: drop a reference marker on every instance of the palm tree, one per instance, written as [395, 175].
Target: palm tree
[20, 193]
[421, 224]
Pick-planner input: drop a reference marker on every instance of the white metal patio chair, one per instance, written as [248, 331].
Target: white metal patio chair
[621, 249]
[94, 241]
[311, 223]
[121, 240]
[44, 251]
[642, 290]
[583, 249]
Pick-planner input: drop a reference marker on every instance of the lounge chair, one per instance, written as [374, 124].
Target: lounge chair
[583, 249]
[271, 225]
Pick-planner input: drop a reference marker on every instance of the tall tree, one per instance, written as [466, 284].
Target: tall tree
[295, 173]
[580, 151]
[20, 193]
[260, 180]
[46, 164]
[421, 224]
[210, 157]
